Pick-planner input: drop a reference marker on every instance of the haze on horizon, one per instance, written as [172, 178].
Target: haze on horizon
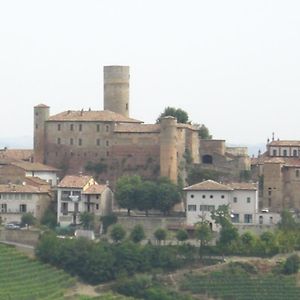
[232, 65]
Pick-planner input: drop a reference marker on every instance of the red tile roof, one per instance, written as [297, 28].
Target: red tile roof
[28, 166]
[242, 186]
[208, 185]
[87, 116]
[95, 189]
[73, 181]
[16, 154]
[26, 189]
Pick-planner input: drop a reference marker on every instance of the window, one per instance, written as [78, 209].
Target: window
[271, 220]
[80, 142]
[247, 218]
[274, 152]
[297, 173]
[23, 208]
[4, 207]
[64, 208]
[98, 127]
[71, 141]
[58, 141]
[222, 196]
[97, 206]
[295, 152]
[248, 199]
[58, 127]
[107, 143]
[98, 142]
[107, 128]
[192, 207]
[107, 153]
[71, 127]
[207, 207]
[235, 218]
[192, 196]
[269, 192]
[234, 199]
[126, 106]
[80, 127]
[284, 152]
[261, 220]
[211, 196]
[207, 159]
[203, 196]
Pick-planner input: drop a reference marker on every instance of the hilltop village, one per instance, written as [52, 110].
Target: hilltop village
[79, 157]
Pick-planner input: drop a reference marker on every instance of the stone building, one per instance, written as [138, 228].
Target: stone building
[279, 172]
[109, 143]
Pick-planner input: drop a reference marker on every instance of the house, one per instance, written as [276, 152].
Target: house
[15, 200]
[279, 172]
[18, 171]
[207, 196]
[78, 194]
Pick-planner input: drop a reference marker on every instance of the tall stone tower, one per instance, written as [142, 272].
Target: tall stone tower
[41, 114]
[168, 148]
[116, 89]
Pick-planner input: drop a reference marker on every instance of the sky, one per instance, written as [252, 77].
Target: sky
[232, 65]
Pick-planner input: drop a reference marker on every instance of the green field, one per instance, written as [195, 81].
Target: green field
[22, 278]
[236, 284]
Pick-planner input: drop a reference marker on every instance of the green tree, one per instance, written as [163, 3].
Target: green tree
[49, 218]
[87, 220]
[248, 242]
[291, 265]
[182, 235]
[203, 234]
[160, 234]
[128, 192]
[148, 195]
[137, 234]
[179, 114]
[287, 221]
[228, 232]
[204, 133]
[108, 220]
[28, 219]
[167, 195]
[117, 233]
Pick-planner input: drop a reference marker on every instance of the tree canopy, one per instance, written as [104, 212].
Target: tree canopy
[134, 193]
[178, 113]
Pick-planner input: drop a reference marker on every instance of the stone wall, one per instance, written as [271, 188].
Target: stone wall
[27, 237]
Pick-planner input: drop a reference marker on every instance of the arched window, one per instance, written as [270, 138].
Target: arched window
[207, 159]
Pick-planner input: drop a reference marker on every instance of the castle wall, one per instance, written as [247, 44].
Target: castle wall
[212, 146]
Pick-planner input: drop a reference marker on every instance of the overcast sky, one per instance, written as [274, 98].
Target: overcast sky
[232, 65]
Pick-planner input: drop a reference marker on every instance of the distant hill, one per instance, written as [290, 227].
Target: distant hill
[20, 142]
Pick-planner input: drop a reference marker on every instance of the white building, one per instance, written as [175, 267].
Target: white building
[242, 198]
[78, 194]
[15, 200]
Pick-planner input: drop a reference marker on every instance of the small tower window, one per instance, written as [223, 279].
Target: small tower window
[284, 152]
[58, 141]
[295, 152]
[126, 106]
[58, 127]
[98, 127]
[274, 152]
[71, 127]
[80, 127]
[80, 142]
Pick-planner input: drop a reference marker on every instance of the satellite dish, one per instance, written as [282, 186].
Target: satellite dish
[74, 198]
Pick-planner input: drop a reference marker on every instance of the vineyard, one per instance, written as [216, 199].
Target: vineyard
[237, 284]
[22, 278]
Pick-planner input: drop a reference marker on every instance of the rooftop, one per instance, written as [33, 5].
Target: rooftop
[28, 166]
[208, 185]
[26, 189]
[95, 189]
[74, 181]
[284, 143]
[88, 116]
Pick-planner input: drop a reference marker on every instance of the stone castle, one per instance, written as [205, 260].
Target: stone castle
[109, 143]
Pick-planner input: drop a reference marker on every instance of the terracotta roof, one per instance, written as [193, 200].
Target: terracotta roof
[138, 128]
[85, 116]
[16, 188]
[42, 105]
[95, 189]
[242, 186]
[285, 143]
[36, 180]
[274, 160]
[17, 154]
[28, 166]
[73, 181]
[208, 185]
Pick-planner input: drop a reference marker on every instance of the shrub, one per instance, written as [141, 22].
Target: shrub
[291, 265]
